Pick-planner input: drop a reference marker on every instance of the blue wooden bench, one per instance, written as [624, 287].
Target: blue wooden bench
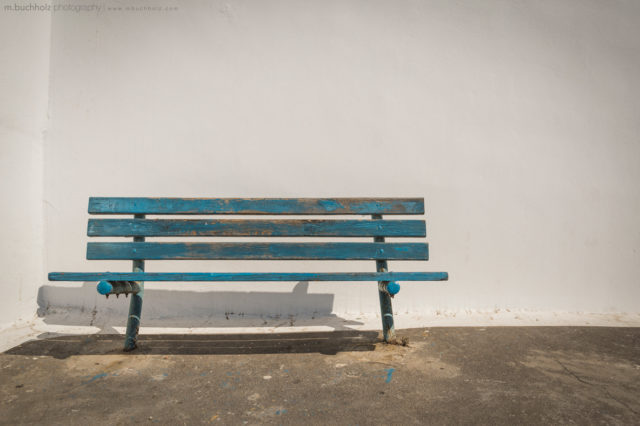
[141, 228]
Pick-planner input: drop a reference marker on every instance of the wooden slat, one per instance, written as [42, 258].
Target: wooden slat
[259, 251]
[248, 276]
[254, 228]
[256, 206]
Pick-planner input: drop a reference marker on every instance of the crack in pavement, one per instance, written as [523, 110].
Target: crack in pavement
[601, 387]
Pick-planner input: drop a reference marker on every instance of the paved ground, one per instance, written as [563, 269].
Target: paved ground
[500, 375]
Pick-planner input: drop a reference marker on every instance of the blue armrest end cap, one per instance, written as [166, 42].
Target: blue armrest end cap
[104, 287]
[393, 288]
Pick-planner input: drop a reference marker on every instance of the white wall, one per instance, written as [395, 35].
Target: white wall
[519, 122]
[24, 49]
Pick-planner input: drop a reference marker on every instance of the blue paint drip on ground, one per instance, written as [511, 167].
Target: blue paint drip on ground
[389, 373]
[96, 377]
[283, 411]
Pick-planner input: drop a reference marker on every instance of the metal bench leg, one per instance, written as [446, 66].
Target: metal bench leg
[386, 311]
[135, 306]
[133, 320]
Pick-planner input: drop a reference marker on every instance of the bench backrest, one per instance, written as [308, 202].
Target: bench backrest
[140, 228]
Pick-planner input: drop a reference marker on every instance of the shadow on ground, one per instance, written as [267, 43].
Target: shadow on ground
[328, 343]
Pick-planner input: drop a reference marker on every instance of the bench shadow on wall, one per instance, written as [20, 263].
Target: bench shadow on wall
[189, 309]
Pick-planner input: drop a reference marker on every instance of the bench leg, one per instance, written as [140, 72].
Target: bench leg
[133, 320]
[135, 306]
[386, 311]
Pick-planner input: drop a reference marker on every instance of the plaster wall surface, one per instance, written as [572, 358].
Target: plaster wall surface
[518, 122]
[24, 75]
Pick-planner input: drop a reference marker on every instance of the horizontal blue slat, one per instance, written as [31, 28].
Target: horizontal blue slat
[257, 228]
[248, 276]
[259, 251]
[272, 206]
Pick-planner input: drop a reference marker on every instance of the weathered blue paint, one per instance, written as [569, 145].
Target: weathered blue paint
[254, 228]
[393, 288]
[259, 251]
[386, 310]
[135, 305]
[273, 206]
[104, 288]
[248, 276]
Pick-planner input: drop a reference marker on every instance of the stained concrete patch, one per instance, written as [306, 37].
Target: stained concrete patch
[413, 357]
[496, 375]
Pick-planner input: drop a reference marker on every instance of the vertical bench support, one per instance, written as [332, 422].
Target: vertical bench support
[135, 306]
[386, 311]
